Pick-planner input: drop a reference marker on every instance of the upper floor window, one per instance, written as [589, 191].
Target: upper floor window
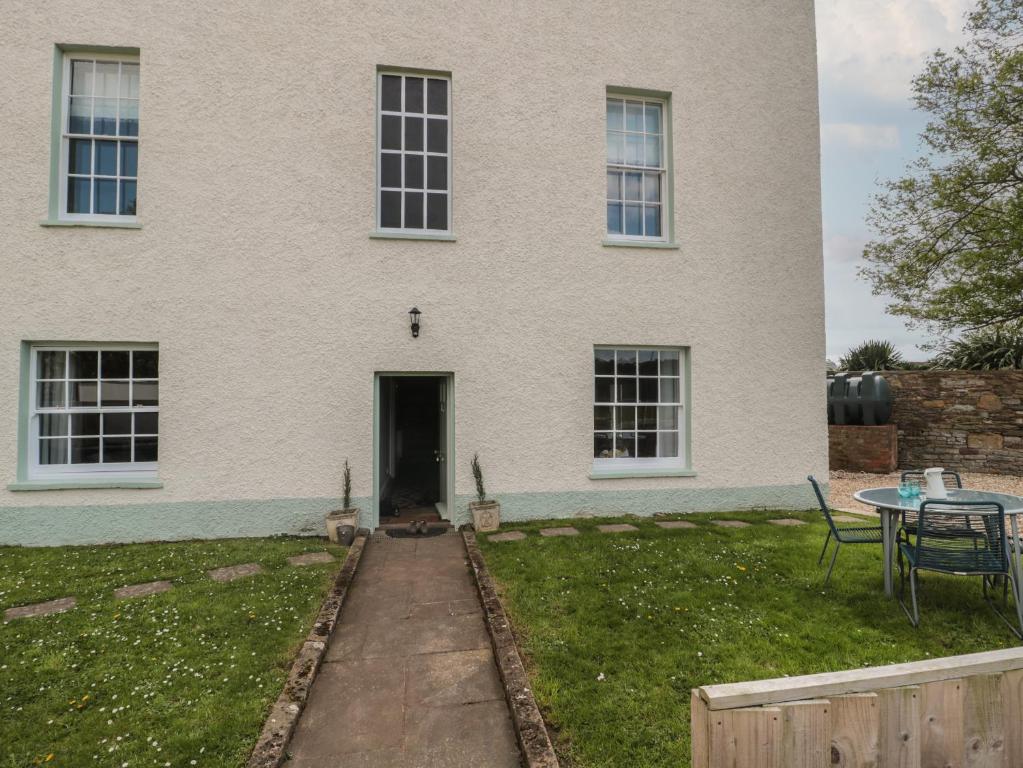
[93, 409]
[100, 128]
[636, 167]
[414, 157]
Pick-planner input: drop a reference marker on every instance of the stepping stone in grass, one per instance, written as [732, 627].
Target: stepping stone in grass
[786, 521]
[507, 536]
[232, 572]
[142, 590]
[848, 519]
[617, 528]
[40, 609]
[730, 523]
[566, 531]
[311, 558]
[675, 524]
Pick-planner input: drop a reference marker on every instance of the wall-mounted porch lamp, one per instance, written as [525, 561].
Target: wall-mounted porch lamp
[414, 314]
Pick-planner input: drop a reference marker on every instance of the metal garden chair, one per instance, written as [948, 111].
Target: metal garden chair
[961, 539]
[952, 481]
[846, 535]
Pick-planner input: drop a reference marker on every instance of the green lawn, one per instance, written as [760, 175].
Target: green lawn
[177, 679]
[617, 628]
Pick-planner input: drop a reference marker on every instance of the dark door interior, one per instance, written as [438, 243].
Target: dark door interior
[410, 445]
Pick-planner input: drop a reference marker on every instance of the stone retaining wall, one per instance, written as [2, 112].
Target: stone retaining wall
[971, 421]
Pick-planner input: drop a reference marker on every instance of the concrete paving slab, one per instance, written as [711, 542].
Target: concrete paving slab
[142, 590]
[851, 519]
[232, 572]
[445, 608]
[430, 590]
[617, 528]
[458, 677]
[671, 524]
[730, 523]
[40, 609]
[507, 536]
[468, 735]
[786, 521]
[311, 558]
[564, 531]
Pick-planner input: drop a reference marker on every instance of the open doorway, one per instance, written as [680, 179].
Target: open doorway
[412, 445]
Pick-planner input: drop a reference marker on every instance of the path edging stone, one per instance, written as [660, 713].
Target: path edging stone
[270, 749]
[530, 730]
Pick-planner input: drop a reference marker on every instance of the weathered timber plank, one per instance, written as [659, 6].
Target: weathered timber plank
[899, 734]
[984, 723]
[746, 738]
[855, 730]
[699, 723]
[941, 724]
[806, 734]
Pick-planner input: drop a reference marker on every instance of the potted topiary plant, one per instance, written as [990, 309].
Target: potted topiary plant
[486, 514]
[347, 516]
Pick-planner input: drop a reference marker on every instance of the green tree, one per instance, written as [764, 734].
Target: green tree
[1000, 346]
[949, 249]
[873, 355]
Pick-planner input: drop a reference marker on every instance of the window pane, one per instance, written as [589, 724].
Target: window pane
[106, 158]
[653, 151]
[115, 365]
[647, 362]
[81, 78]
[437, 172]
[615, 114]
[145, 448]
[414, 171]
[80, 115]
[604, 361]
[437, 135]
[614, 218]
[116, 450]
[646, 445]
[626, 390]
[390, 93]
[653, 118]
[414, 134]
[84, 450]
[669, 390]
[390, 209]
[648, 390]
[652, 221]
[634, 186]
[669, 363]
[626, 359]
[603, 445]
[668, 448]
[603, 390]
[84, 364]
[634, 152]
[625, 417]
[646, 417]
[614, 185]
[146, 423]
[390, 132]
[129, 158]
[86, 424]
[53, 425]
[116, 423]
[145, 364]
[50, 365]
[625, 445]
[53, 451]
[107, 78]
[634, 219]
[437, 96]
[615, 148]
[50, 394]
[78, 195]
[105, 191]
[129, 81]
[603, 417]
[83, 394]
[145, 393]
[129, 198]
[390, 169]
[129, 122]
[413, 94]
[652, 187]
[104, 119]
[413, 210]
[634, 116]
[114, 393]
[437, 211]
[667, 417]
[80, 156]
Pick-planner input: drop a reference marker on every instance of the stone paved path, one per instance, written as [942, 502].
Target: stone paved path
[409, 678]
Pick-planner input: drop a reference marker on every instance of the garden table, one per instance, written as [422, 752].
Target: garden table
[891, 506]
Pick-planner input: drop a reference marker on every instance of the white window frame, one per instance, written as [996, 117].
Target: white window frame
[36, 471]
[65, 141]
[380, 151]
[662, 170]
[679, 462]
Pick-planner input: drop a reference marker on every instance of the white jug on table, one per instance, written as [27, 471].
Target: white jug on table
[935, 483]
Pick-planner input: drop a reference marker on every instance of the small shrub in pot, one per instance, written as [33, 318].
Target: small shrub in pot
[347, 516]
[486, 513]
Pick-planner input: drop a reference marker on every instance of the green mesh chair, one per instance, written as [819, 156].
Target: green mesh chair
[952, 482]
[961, 539]
[870, 534]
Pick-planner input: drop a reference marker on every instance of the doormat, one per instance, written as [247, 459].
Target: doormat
[401, 533]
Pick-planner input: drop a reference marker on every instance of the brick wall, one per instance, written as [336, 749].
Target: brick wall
[862, 449]
[970, 421]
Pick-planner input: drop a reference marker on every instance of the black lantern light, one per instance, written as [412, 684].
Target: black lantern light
[414, 314]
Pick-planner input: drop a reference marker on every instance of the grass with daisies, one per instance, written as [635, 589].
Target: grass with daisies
[618, 628]
[182, 678]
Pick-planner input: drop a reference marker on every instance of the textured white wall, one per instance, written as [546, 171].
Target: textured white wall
[273, 308]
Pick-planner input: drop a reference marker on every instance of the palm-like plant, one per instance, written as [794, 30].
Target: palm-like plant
[985, 349]
[872, 355]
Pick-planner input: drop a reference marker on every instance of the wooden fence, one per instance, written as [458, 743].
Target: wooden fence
[955, 712]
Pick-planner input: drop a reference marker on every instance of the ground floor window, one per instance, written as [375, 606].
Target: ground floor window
[638, 407]
[93, 409]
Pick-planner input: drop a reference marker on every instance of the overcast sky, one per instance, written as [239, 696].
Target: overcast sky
[869, 52]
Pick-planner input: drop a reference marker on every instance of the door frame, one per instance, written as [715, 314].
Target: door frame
[448, 381]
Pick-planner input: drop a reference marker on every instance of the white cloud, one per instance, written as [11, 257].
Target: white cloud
[861, 135]
[877, 46]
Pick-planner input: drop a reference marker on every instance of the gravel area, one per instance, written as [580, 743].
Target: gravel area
[844, 484]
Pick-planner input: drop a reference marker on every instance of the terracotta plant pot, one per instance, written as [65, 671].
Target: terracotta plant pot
[340, 518]
[486, 515]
